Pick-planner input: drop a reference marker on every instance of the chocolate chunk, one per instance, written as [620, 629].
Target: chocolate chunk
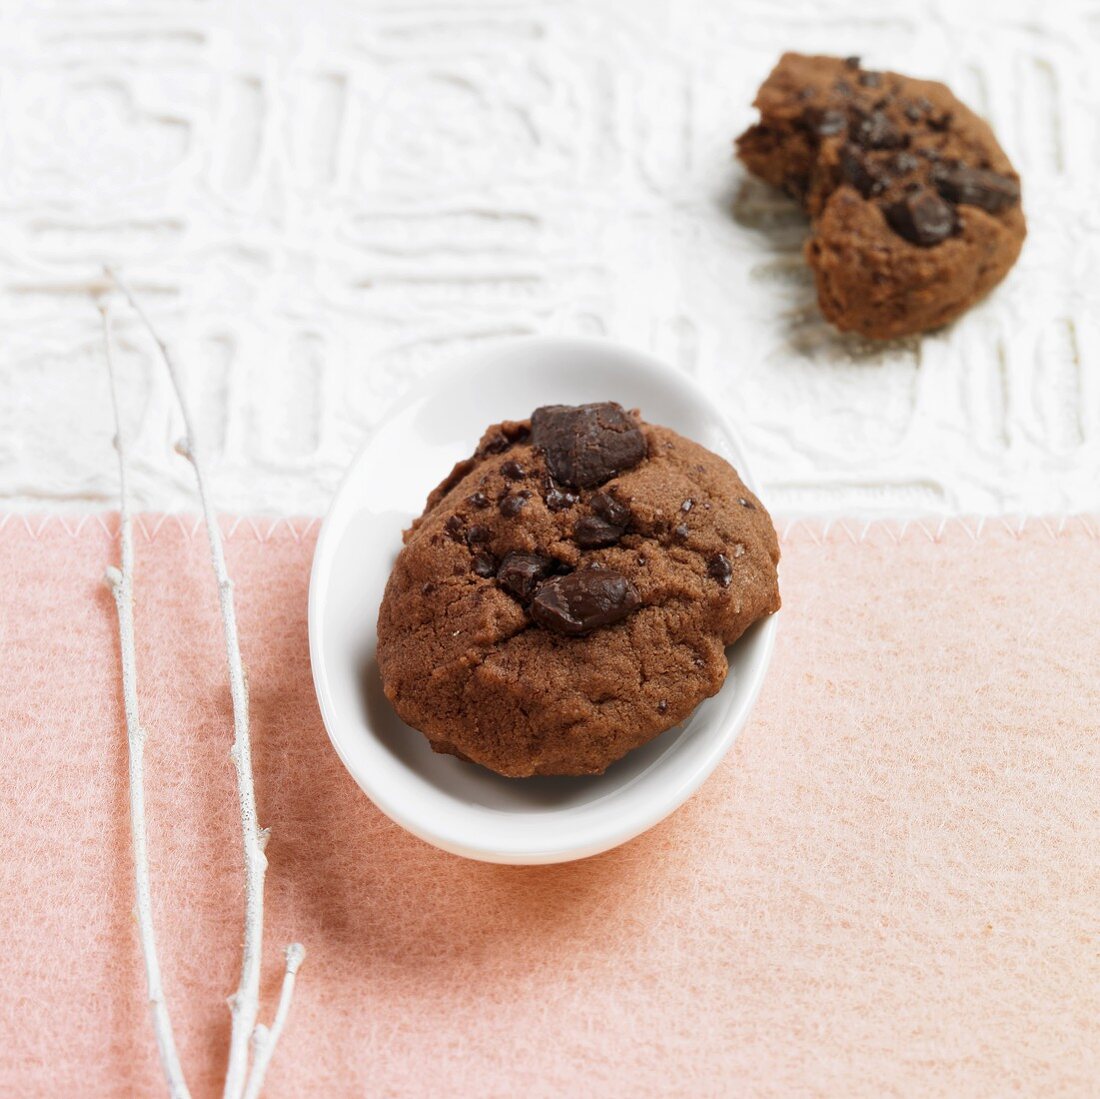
[557, 498]
[607, 507]
[904, 162]
[825, 123]
[511, 506]
[495, 444]
[876, 131]
[746, 503]
[687, 505]
[521, 573]
[681, 532]
[513, 471]
[662, 706]
[859, 172]
[912, 112]
[586, 445]
[831, 122]
[870, 79]
[580, 602]
[922, 218]
[941, 122]
[455, 526]
[484, 565]
[478, 500]
[720, 569]
[503, 437]
[478, 533]
[991, 191]
[852, 62]
[592, 532]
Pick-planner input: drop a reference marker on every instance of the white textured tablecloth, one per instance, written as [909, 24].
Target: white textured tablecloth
[321, 202]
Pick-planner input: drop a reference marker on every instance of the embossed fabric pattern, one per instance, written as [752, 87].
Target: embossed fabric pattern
[889, 886]
[320, 207]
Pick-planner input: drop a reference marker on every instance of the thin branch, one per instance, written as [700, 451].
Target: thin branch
[244, 1002]
[121, 582]
[264, 1039]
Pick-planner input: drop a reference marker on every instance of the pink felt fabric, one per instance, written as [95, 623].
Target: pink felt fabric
[890, 887]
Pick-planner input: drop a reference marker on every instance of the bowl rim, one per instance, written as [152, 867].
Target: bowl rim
[647, 814]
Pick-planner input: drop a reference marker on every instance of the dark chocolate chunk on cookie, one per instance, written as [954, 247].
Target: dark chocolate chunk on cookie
[825, 123]
[521, 573]
[484, 565]
[512, 504]
[876, 131]
[581, 602]
[863, 174]
[557, 498]
[586, 445]
[592, 531]
[991, 191]
[610, 509]
[720, 569]
[606, 526]
[922, 217]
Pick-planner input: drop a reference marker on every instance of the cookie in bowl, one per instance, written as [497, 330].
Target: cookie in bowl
[569, 591]
[914, 207]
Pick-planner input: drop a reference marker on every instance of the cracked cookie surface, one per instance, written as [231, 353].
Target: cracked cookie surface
[915, 208]
[568, 592]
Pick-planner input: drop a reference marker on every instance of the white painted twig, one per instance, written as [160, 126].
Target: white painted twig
[264, 1039]
[121, 581]
[244, 1002]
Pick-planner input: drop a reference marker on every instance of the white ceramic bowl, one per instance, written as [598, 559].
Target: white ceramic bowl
[458, 806]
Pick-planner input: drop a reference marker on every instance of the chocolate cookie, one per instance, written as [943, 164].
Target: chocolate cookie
[569, 591]
[915, 209]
